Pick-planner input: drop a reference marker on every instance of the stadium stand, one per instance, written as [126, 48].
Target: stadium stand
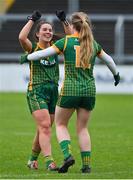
[9, 36]
[128, 37]
[47, 6]
[5, 5]
[106, 6]
[103, 31]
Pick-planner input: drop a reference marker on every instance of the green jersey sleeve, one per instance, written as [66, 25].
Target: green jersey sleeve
[97, 47]
[59, 45]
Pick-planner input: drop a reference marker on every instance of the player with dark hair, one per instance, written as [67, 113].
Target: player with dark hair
[78, 91]
[42, 90]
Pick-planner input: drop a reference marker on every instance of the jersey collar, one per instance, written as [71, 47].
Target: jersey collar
[40, 46]
[76, 34]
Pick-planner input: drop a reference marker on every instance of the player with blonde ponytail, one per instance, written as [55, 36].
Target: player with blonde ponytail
[81, 22]
[78, 91]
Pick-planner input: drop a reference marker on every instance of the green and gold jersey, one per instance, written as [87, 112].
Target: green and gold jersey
[44, 70]
[77, 81]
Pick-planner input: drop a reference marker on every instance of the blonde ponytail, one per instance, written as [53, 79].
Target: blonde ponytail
[81, 23]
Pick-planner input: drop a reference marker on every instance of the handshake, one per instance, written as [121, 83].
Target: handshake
[36, 15]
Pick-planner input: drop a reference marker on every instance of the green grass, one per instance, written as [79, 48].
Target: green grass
[111, 129]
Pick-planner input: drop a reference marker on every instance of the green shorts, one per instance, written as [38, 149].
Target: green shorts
[43, 96]
[76, 102]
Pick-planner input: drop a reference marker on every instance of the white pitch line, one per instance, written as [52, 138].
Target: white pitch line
[63, 175]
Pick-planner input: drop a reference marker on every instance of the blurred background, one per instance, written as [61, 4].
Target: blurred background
[112, 22]
[111, 123]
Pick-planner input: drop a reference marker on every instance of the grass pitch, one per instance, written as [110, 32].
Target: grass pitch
[111, 129]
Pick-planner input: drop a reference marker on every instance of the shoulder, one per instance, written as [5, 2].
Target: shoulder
[34, 47]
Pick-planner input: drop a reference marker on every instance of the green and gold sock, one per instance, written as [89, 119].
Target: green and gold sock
[48, 160]
[34, 155]
[66, 148]
[85, 155]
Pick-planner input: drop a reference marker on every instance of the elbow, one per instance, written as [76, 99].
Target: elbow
[21, 38]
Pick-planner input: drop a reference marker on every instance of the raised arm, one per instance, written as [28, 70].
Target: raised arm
[23, 35]
[108, 60]
[62, 17]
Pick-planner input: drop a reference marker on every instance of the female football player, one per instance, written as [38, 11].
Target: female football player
[78, 91]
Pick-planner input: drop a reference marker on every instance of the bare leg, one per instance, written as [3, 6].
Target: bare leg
[62, 116]
[36, 146]
[83, 116]
[42, 118]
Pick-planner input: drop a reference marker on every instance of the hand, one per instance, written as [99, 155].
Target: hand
[23, 58]
[36, 15]
[117, 79]
[61, 15]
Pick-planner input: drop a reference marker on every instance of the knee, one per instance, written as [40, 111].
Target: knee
[45, 128]
[81, 129]
[60, 123]
[43, 123]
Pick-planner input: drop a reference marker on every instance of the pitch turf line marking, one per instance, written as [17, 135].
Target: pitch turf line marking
[19, 133]
[63, 175]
